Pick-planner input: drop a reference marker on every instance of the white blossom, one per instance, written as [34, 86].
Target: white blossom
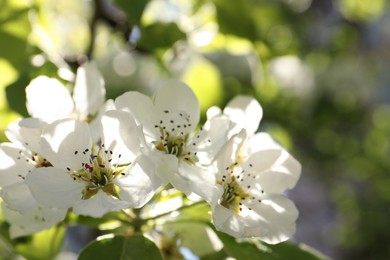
[93, 180]
[246, 113]
[169, 124]
[49, 100]
[247, 199]
[19, 157]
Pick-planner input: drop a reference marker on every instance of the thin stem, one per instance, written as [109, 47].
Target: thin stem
[137, 222]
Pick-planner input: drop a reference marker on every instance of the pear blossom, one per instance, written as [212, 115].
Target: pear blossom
[247, 199]
[49, 100]
[91, 179]
[252, 173]
[246, 113]
[19, 157]
[169, 124]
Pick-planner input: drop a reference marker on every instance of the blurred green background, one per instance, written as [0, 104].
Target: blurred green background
[319, 68]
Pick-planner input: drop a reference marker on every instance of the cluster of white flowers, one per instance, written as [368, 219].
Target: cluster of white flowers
[92, 156]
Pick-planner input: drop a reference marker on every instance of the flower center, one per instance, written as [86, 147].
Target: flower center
[237, 183]
[233, 195]
[98, 173]
[40, 161]
[233, 192]
[174, 134]
[33, 159]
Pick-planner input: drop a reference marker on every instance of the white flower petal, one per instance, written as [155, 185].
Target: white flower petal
[210, 139]
[274, 219]
[261, 141]
[226, 221]
[193, 178]
[246, 112]
[48, 99]
[99, 205]
[89, 92]
[229, 152]
[94, 125]
[18, 197]
[213, 112]
[121, 135]
[36, 220]
[54, 187]
[139, 182]
[143, 110]
[275, 170]
[14, 164]
[166, 165]
[176, 96]
[26, 132]
[262, 160]
[64, 143]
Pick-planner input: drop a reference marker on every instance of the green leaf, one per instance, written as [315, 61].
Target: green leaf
[242, 250]
[16, 55]
[254, 249]
[294, 251]
[160, 36]
[234, 17]
[16, 94]
[133, 9]
[215, 256]
[198, 212]
[120, 248]
[196, 236]
[14, 31]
